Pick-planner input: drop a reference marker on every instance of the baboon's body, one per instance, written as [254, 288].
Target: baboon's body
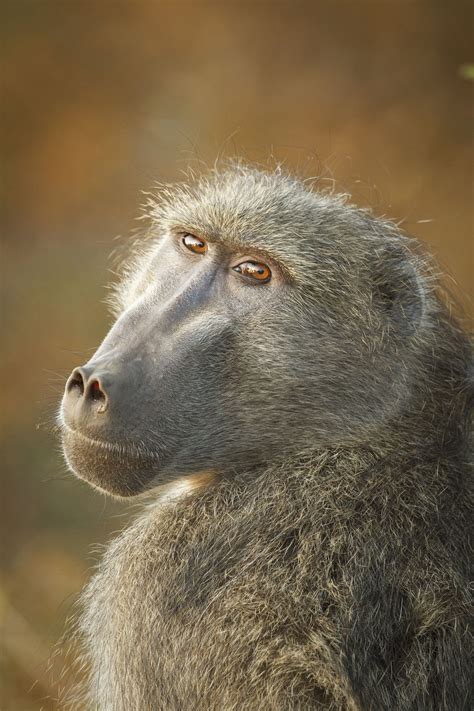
[333, 574]
[332, 582]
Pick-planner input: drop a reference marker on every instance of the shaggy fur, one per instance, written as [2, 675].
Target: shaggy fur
[330, 571]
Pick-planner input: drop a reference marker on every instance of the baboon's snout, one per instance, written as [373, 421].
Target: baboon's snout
[102, 405]
[87, 396]
[103, 397]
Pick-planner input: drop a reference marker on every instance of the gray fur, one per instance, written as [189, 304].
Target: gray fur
[318, 556]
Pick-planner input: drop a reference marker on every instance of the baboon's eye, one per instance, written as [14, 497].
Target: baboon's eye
[194, 244]
[255, 270]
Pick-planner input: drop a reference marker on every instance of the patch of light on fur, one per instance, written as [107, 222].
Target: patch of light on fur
[176, 491]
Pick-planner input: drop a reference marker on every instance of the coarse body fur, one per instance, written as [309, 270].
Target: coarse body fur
[331, 569]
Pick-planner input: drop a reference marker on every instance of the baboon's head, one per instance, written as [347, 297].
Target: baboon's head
[260, 318]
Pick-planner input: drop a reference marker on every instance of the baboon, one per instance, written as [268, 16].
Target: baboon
[287, 390]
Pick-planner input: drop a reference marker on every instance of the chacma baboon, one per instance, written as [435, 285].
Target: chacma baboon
[283, 368]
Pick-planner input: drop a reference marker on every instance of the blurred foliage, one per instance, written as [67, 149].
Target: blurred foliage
[467, 71]
[101, 98]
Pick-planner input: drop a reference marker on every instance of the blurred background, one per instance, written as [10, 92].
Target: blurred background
[100, 99]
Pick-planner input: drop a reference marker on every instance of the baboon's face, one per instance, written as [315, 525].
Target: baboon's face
[229, 350]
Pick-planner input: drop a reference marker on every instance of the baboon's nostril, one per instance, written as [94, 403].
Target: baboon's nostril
[76, 382]
[96, 391]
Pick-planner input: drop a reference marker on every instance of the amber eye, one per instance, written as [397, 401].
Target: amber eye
[194, 244]
[255, 270]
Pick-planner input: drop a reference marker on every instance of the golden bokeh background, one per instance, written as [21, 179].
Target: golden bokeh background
[102, 98]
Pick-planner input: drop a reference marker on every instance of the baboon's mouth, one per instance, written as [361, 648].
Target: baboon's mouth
[119, 469]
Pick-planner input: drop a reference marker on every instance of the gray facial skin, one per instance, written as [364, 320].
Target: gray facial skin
[207, 369]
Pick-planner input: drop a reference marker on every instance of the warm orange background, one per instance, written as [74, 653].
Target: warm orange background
[102, 98]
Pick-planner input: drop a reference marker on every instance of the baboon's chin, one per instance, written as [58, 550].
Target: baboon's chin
[109, 467]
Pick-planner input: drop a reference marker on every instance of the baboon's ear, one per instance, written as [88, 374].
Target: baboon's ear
[399, 289]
